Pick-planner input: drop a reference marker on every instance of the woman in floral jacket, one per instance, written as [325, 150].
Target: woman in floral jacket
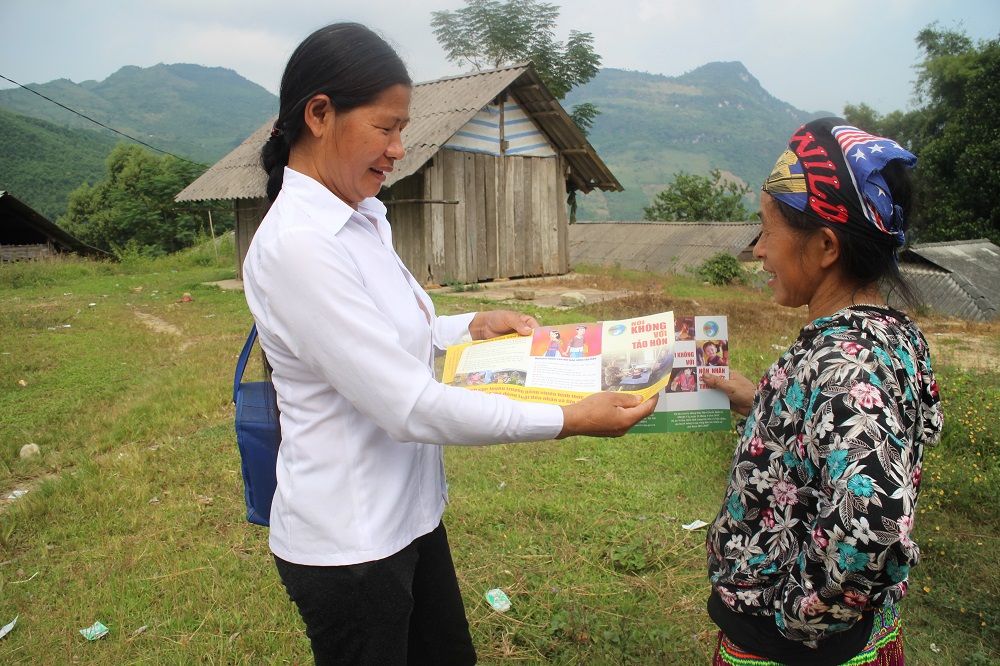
[810, 552]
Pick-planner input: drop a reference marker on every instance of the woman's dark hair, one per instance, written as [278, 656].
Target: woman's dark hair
[864, 259]
[348, 63]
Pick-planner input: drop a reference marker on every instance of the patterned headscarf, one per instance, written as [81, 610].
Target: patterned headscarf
[832, 171]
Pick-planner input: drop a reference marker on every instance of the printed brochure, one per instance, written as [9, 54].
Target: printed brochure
[643, 355]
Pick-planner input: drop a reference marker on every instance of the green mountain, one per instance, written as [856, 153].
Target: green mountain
[43, 162]
[199, 113]
[651, 126]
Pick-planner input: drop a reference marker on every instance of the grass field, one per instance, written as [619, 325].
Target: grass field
[133, 514]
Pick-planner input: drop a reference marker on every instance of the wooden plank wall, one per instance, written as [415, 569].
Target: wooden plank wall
[510, 219]
[10, 253]
[249, 214]
[409, 236]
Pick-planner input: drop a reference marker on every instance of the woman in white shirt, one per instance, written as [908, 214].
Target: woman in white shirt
[356, 526]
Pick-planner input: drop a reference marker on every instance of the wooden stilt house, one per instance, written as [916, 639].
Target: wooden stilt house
[481, 193]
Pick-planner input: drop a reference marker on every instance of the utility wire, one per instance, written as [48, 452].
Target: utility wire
[97, 122]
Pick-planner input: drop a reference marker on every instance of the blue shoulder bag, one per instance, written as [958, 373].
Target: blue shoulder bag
[258, 435]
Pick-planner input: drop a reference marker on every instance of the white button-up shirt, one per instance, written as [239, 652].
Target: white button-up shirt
[360, 472]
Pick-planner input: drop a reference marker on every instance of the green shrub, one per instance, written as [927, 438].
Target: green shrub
[722, 269]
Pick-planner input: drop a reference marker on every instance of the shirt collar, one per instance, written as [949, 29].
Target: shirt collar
[323, 205]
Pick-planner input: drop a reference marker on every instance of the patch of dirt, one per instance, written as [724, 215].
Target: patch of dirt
[156, 324]
[549, 290]
[964, 344]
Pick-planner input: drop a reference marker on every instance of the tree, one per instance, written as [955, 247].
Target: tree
[134, 204]
[490, 33]
[694, 198]
[955, 134]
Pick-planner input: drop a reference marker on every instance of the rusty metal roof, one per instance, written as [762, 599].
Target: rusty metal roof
[438, 110]
[658, 247]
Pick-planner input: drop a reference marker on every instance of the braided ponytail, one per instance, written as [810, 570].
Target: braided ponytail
[274, 158]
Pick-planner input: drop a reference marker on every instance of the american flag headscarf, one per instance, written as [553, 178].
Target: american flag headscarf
[833, 171]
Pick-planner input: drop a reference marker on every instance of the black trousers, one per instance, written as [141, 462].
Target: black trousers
[404, 609]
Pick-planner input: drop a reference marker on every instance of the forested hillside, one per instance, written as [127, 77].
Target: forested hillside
[199, 113]
[43, 162]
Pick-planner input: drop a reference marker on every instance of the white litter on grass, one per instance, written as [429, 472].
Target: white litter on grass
[582, 459]
[7, 628]
[498, 599]
[17, 494]
[15, 582]
[935, 649]
[695, 525]
[91, 305]
[94, 631]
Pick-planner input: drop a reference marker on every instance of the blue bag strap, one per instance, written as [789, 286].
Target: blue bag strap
[244, 357]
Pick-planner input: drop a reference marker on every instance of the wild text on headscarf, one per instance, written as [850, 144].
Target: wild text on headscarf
[814, 158]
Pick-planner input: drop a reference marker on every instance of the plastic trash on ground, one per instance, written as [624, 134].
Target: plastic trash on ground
[695, 525]
[7, 628]
[498, 599]
[94, 631]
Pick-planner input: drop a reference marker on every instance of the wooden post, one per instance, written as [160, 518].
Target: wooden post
[494, 190]
[211, 230]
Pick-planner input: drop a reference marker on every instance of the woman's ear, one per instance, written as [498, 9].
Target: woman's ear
[318, 114]
[828, 246]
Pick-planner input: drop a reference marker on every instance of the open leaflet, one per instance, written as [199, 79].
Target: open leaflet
[645, 355]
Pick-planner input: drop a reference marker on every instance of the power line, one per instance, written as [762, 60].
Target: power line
[99, 123]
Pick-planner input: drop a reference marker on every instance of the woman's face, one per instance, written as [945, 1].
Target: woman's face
[711, 350]
[787, 257]
[362, 145]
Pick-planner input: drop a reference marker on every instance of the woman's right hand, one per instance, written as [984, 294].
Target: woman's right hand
[741, 391]
[605, 414]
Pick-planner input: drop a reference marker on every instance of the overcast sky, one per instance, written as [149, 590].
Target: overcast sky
[815, 55]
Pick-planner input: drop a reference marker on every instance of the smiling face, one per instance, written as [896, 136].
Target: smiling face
[788, 256]
[353, 150]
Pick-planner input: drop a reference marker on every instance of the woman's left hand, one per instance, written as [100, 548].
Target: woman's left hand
[493, 323]
[739, 389]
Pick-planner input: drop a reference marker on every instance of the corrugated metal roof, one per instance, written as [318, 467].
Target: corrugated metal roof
[960, 278]
[938, 291]
[438, 110]
[659, 247]
[238, 175]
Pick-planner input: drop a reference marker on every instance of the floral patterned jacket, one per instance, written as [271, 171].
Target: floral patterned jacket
[815, 526]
